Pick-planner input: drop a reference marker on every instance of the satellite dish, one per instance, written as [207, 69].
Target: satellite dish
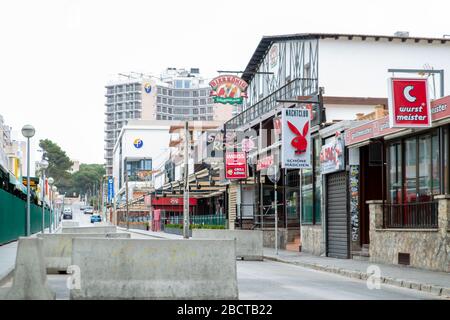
[273, 172]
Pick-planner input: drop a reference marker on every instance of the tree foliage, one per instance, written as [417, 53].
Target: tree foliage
[79, 182]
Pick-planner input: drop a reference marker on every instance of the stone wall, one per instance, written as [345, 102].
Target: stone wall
[311, 239]
[428, 248]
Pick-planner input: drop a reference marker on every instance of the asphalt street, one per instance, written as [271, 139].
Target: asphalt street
[274, 280]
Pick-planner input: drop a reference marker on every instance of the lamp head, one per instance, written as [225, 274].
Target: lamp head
[28, 131]
[43, 164]
[51, 181]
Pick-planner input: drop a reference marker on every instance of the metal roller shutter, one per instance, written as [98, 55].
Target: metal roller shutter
[337, 217]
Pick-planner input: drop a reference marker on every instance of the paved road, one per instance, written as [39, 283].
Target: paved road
[274, 280]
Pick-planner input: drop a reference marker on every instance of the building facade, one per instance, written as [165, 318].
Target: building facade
[338, 77]
[177, 94]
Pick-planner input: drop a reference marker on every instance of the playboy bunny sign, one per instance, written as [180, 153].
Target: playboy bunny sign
[296, 138]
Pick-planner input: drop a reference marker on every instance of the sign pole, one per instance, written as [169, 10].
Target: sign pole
[276, 219]
[126, 199]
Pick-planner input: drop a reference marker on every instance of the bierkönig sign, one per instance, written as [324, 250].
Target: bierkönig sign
[409, 105]
[228, 89]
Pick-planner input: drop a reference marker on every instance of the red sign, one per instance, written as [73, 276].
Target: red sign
[264, 163]
[409, 106]
[235, 165]
[440, 109]
[167, 201]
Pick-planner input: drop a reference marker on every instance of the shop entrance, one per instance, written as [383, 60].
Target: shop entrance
[370, 185]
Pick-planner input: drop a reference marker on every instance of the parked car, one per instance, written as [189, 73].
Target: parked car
[67, 213]
[96, 218]
[89, 210]
[82, 208]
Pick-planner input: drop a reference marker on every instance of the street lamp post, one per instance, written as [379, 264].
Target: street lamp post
[28, 132]
[43, 165]
[55, 222]
[50, 218]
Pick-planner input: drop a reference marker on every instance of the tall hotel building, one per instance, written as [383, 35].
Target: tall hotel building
[178, 94]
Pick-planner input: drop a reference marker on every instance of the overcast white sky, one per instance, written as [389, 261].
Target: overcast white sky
[56, 56]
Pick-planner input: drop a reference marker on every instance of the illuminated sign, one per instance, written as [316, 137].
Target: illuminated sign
[148, 87]
[296, 138]
[138, 143]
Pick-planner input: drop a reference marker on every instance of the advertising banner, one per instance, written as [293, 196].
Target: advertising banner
[332, 155]
[296, 138]
[110, 189]
[409, 105]
[235, 165]
[264, 163]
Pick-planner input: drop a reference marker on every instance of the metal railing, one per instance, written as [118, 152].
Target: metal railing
[414, 215]
[213, 219]
[293, 89]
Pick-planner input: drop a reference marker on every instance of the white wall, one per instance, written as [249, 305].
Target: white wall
[155, 141]
[344, 112]
[359, 68]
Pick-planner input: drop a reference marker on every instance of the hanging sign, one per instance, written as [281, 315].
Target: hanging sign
[409, 105]
[228, 89]
[295, 138]
[235, 165]
[264, 163]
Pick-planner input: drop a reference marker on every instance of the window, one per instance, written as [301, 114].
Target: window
[446, 162]
[203, 93]
[186, 94]
[164, 117]
[179, 84]
[158, 99]
[170, 92]
[202, 110]
[158, 117]
[311, 188]
[170, 110]
[210, 109]
[202, 101]
[165, 92]
[164, 100]
[158, 108]
[195, 93]
[195, 102]
[395, 173]
[169, 101]
[210, 118]
[159, 90]
[187, 84]
[195, 111]
[164, 109]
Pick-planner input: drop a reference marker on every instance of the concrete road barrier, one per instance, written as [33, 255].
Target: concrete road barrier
[249, 243]
[57, 248]
[155, 269]
[67, 224]
[94, 229]
[30, 278]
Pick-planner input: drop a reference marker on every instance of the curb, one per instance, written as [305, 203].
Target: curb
[443, 292]
[5, 277]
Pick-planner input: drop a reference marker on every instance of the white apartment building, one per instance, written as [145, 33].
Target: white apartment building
[178, 94]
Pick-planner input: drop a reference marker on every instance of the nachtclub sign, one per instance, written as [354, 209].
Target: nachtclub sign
[409, 105]
[228, 89]
[296, 138]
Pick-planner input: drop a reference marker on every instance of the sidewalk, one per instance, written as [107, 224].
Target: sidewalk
[401, 276]
[7, 260]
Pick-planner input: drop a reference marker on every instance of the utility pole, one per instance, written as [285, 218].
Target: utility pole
[186, 182]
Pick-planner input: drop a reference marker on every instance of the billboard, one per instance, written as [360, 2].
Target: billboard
[295, 138]
[409, 105]
[235, 165]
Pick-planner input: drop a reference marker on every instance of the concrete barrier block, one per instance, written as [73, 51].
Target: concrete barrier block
[68, 224]
[94, 229]
[57, 248]
[30, 278]
[249, 243]
[155, 269]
